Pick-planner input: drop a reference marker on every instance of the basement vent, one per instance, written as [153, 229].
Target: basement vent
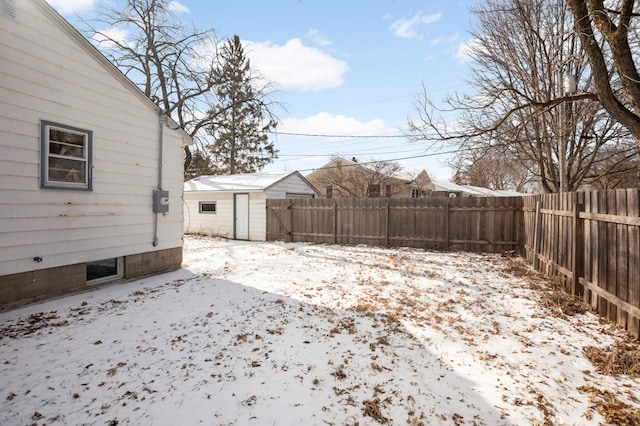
[9, 8]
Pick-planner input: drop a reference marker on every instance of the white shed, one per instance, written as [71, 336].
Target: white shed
[91, 171]
[234, 206]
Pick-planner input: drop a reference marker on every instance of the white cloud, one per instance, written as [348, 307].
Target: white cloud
[66, 7]
[408, 28]
[294, 66]
[325, 123]
[316, 38]
[463, 54]
[430, 19]
[176, 6]
[112, 33]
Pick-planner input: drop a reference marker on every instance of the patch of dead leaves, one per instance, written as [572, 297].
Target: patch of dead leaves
[623, 357]
[611, 408]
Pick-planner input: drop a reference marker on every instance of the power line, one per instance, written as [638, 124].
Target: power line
[318, 135]
[389, 160]
[357, 153]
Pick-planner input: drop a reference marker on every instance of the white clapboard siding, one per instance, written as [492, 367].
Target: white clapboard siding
[292, 184]
[218, 224]
[49, 73]
[259, 186]
[258, 217]
[221, 223]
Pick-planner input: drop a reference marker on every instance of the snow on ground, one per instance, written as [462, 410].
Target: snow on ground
[285, 334]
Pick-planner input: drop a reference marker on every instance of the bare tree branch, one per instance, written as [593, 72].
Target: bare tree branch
[520, 109]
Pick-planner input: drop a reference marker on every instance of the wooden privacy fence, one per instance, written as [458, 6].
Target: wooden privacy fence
[489, 225]
[592, 239]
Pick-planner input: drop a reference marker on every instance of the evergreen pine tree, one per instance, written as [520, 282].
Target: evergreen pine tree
[241, 120]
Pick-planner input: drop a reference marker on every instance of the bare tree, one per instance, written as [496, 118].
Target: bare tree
[523, 109]
[200, 164]
[617, 168]
[492, 169]
[605, 32]
[177, 66]
[342, 178]
[160, 54]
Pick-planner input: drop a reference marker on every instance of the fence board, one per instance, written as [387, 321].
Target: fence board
[622, 251]
[633, 210]
[598, 252]
[473, 224]
[612, 255]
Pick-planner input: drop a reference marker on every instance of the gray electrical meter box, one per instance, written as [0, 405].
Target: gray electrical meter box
[160, 201]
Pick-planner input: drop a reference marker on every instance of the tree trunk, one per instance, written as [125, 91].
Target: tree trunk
[624, 66]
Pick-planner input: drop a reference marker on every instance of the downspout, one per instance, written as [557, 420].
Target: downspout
[161, 119]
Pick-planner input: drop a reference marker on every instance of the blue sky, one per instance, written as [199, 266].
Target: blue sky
[341, 68]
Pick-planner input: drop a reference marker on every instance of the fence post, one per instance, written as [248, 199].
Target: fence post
[577, 245]
[536, 236]
[386, 231]
[291, 221]
[447, 211]
[335, 222]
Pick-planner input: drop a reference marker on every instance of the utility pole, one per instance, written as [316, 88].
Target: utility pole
[566, 86]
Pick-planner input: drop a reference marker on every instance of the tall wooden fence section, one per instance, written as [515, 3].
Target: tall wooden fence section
[491, 225]
[592, 239]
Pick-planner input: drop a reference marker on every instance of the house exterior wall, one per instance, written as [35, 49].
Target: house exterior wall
[48, 74]
[221, 223]
[351, 180]
[292, 185]
[16, 289]
[258, 216]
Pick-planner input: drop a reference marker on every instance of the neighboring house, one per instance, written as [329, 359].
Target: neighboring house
[90, 169]
[449, 189]
[234, 206]
[341, 178]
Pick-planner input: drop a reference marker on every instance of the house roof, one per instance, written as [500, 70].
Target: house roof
[333, 164]
[474, 191]
[240, 182]
[74, 34]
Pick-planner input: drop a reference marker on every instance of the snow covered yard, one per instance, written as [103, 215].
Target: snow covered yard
[282, 334]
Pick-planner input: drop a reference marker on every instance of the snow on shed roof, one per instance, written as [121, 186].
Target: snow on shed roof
[239, 182]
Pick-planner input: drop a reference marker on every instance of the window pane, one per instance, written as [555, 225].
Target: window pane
[66, 170]
[66, 143]
[66, 137]
[102, 269]
[66, 149]
[207, 207]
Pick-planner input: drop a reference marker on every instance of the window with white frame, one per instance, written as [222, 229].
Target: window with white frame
[207, 207]
[65, 156]
[416, 193]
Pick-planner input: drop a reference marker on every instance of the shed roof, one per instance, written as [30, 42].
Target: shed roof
[239, 182]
